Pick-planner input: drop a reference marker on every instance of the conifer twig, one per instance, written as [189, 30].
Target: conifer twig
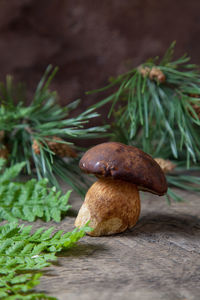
[43, 132]
[155, 107]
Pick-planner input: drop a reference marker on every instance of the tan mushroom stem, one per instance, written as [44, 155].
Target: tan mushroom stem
[111, 205]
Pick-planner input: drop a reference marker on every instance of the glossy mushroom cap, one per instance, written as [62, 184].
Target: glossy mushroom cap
[127, 163]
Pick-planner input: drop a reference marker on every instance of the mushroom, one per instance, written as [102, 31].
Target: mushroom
[112, 204]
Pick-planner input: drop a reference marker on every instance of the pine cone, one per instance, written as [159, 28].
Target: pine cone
[36, 147]
[144, 71]
[156, 73]
[2, 134]
[166, 165]
[60, 149]
[196, 107]
[4, 152]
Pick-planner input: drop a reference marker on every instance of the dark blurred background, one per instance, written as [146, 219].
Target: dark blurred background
[91, 40]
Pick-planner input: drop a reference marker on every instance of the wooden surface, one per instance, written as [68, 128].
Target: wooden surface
[158, 259]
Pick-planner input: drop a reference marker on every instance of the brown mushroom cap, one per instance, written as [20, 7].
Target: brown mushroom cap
[126, 163]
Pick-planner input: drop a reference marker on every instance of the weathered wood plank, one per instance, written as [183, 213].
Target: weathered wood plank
[158, 259]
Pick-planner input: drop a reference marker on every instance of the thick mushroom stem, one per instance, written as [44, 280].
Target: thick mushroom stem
[111, 205]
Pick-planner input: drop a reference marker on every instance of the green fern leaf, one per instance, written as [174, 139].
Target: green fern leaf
[30, 200]
[22, 252]
[12, 172]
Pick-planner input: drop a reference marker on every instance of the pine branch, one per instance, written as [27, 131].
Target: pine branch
[143, 101]
[43, 131]
[156, 107]
[23, 254]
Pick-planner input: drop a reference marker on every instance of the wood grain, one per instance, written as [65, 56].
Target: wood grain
[158, 259]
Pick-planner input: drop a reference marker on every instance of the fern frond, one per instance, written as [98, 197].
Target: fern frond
[11, 173]
[30, 200]
[22, 252]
